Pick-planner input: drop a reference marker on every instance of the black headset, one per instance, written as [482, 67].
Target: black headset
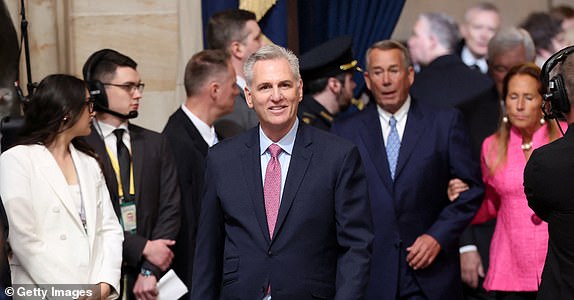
[556, 92]
[97, 88]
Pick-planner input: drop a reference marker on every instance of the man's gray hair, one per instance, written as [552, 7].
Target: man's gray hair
[509, 38]
[482, 6]
[444, 27]
[270, 52]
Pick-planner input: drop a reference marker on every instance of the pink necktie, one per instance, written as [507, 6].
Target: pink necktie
[272, 187]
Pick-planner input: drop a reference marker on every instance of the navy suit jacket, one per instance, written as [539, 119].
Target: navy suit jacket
[321, 247]
[435, 147]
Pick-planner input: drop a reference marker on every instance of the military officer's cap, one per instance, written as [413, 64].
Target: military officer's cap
[328, 59]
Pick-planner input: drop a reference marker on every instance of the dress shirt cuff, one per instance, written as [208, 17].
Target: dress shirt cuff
[467, 248]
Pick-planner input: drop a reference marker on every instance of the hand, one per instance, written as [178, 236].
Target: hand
[471, 268]
[100, 291]
[455, 187]
[145, 288]
[158, 253]
[422, 252]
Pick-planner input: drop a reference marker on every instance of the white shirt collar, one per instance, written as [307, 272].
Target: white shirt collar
[106, 130]
[286, 143]
[207, 132]
[469, 59]
[399, 115]
[241, 82]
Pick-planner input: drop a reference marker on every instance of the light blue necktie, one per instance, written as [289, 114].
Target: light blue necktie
[393, 146]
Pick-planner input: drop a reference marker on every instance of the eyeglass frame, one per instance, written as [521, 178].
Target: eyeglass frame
[128, 87]
[90, 103]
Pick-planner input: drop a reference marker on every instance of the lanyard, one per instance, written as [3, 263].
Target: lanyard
[116, 167]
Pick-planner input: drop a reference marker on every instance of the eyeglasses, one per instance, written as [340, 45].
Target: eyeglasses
[129, 87]
[90, 102]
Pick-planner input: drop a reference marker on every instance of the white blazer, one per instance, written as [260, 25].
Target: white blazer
[48, 240]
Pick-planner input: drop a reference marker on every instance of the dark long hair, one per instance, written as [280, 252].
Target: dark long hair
[56, 105]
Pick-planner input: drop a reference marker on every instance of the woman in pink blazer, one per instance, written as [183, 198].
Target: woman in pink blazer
[520, 239]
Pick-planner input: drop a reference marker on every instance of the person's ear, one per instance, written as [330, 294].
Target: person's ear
[248, 97]
[300, 90]
[334, 85]
[214, 89]
[236, 50]
[367, 79]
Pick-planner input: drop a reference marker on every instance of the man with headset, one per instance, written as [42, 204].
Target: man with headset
[548, 179]
[139, 170]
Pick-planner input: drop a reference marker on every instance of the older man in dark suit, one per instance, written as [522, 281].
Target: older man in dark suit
[444, 80]
[139, 169]
[286, 212]
[211, 90]
[410, 152]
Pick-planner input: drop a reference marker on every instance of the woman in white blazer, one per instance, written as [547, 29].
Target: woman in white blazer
[63, 229]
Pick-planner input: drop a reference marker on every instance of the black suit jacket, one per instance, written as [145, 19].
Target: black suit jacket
[190, 151]
[482, 115]
[157, 194]
[447, 81]
[549, 188]
[321, 247]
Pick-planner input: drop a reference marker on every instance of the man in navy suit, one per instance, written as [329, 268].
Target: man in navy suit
[285, 213]
[410, 151]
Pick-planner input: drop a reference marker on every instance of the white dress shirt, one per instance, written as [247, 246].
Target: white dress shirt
[207, 132]
[469, 59]
[106, 131]
[401, 117]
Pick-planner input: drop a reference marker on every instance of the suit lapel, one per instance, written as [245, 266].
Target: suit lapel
[251, 162]
[138, 153]
[192, 132]
[413, 131]
[97, 143]
[300, 159]
[99, 147]
[372, 137]
[54, 176]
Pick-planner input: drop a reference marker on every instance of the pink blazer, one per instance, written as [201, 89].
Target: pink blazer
[520, 239]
